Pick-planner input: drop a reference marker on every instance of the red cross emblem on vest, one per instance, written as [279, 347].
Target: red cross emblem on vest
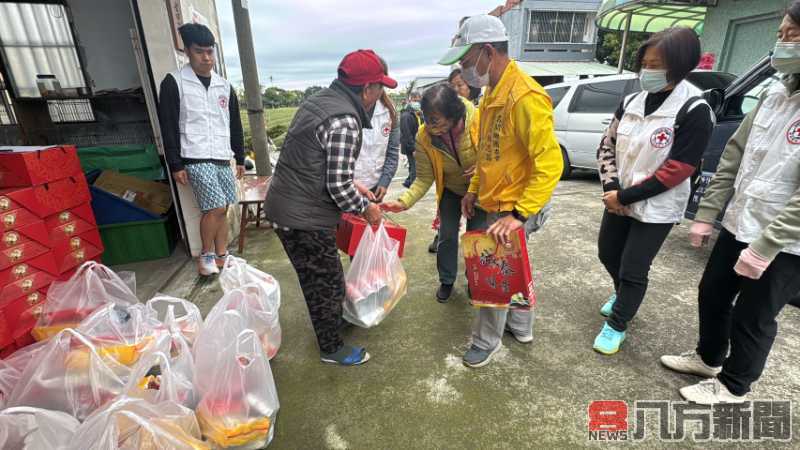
[662, 138]
[223, 102]
[793, 134]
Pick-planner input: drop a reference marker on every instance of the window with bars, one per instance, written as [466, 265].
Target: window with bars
[561, 27]
[65, 111]
[6, 110]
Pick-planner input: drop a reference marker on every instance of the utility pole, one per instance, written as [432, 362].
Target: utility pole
[624, 47]
[252, 87]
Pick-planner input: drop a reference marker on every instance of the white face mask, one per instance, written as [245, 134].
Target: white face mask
[653, 81]
[786, 57]
[472, 77]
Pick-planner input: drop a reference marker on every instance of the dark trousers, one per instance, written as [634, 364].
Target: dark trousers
[627, 248]
[412, 168]
[316, 260]
[450, 220]
[747, 327]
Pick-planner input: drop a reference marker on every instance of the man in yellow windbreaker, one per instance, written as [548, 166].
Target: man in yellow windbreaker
[519, 160]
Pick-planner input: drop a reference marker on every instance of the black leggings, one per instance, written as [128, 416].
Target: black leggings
[746, 327]
[627, 248]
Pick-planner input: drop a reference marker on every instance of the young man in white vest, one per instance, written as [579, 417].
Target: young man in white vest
[202, 131]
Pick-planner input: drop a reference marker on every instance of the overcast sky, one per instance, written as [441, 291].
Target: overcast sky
[299, 43]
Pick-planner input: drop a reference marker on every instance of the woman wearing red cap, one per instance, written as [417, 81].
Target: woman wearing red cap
[313, 185]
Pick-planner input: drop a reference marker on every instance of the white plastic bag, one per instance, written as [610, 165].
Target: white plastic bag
[11, 370]
[238, 399]
[156, 379]
[69, 374]
[376, 280]
[236, 273]
[259, 308]
[185, 317]
[27, 428]
[123, 332]
[71, 301]
[134, 424]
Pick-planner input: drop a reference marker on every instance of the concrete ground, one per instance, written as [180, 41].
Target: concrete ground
[415, 393]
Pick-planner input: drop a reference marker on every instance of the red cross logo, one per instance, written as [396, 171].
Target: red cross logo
[793, 134]
[662, 138]
[387, 130]
[223, 102]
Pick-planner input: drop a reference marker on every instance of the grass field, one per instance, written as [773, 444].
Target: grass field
[277, 116]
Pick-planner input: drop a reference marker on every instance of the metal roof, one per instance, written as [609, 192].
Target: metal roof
[548, 69]
[651, 16]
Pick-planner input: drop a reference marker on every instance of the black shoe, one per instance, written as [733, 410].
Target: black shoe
[444, 293]
[434, 247]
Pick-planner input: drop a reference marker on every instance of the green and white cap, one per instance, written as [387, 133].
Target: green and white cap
[481, 29]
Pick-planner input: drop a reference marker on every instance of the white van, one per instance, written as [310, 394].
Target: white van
[583, 109]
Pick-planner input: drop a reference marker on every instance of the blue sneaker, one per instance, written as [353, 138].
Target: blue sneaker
[609, 305]
[609, 340]
[347, 356]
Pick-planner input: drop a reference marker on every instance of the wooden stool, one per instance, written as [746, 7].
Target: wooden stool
[254, 192]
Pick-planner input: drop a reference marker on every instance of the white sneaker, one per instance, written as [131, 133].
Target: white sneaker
[691, 363]
[522, 339]
[207, 265]
[710, 392]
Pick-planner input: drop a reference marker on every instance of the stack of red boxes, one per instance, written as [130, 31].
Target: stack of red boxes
[48, 230]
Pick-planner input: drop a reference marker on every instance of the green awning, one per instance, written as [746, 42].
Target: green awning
[651, 16]
[558, 69]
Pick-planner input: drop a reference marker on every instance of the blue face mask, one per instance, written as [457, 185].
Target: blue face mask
[653, 81]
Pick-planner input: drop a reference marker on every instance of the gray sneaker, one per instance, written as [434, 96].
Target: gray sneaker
[476, 357]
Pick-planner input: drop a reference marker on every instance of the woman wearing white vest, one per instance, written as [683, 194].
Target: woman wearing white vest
[652, 147]
[380, 151]
[756, 259]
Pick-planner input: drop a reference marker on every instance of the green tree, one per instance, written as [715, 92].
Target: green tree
[311, 90]
[610, 43]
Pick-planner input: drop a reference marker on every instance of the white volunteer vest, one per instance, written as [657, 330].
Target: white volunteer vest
[769, 173]
[369, 165]
[205, 116]
[644, 144]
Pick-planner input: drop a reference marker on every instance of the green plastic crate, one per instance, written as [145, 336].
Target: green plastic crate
[139, 241]
[140, 161]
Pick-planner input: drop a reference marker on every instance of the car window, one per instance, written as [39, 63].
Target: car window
[602, 97]
[710, 80]
[557, 94]
[752, 96]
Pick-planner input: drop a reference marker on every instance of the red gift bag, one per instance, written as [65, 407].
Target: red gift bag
[351, 228]
[499, 276]
[32, 166]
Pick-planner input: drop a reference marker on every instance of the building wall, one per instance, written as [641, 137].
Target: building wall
[517, 23]
[740, 32]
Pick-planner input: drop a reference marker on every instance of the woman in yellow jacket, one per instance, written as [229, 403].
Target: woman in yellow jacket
[446, 154]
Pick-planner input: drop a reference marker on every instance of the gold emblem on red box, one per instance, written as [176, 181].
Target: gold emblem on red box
[15, 255]
[5, 203]
[80, 255]
[10, 219]
[11, 239]
[69, 229]
[64, 217]
[75, 243]
[37, 312]
[27, 285]
[33, 299]
[20, 271]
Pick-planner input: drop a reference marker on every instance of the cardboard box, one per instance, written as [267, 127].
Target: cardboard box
[499, 276]
[47, 199]
[351, 228]
[149, 195]
[32, 166]
[67, 224]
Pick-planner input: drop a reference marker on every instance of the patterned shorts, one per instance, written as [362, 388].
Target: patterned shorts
[213, 184]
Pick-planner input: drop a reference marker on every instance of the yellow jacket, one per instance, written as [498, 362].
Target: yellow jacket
[436, 165]
[519, 159]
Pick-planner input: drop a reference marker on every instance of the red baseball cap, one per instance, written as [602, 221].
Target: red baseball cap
[363, 67]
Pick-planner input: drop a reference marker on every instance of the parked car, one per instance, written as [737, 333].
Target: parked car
[583, 109]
